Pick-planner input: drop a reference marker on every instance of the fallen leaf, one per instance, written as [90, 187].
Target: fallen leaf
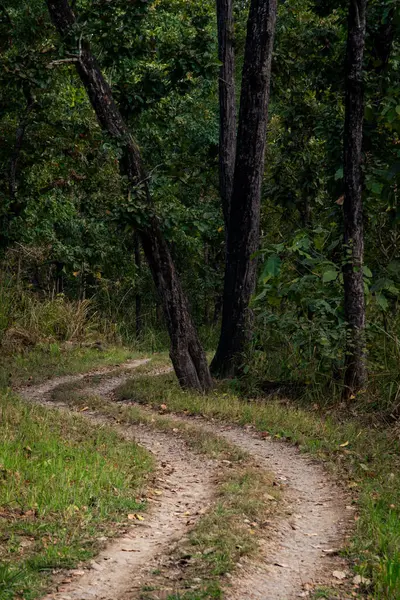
[269, 497]
[339, 574]
[30, 513]
[135, 517]
[358, 579]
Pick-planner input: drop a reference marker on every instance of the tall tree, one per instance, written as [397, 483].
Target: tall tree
[354, 299]
[244, 221]
[186, 353]
[138, 295]
[227, 103]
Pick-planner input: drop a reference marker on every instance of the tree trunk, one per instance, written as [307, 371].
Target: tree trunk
[186, 352]
[227, 104]
[138, 295]
[244, 221]
[354, 300]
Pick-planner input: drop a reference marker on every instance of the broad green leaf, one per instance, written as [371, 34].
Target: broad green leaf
[339, 174]
[272, 267]
[329, 276]
[367, 271]
[382, 302]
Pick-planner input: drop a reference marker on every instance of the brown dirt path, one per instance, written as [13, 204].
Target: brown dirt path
[297, 557]
[297, 554]
[185, 481]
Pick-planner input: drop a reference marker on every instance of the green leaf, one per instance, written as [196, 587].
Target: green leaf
[394, 267]
[339, 174]
[329, 276]
[367, 271]
[377, 188]
[272, 267]
[382, 302]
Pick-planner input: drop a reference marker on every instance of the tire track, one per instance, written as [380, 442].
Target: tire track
[299, 551]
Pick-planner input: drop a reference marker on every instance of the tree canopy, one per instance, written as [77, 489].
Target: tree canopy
[68, 212]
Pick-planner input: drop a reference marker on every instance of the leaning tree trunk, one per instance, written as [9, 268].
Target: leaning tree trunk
[186, 353]
[227, 104]
[354, 300]
[244, 222]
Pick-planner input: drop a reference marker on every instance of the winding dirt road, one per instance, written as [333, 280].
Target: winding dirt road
[299, 551]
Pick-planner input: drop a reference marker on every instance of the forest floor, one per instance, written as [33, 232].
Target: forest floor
[232, 512]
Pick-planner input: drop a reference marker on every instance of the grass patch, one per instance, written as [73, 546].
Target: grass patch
[63, 484]
[53, 360]
[367, 458]
[228, 532]
[204, 442]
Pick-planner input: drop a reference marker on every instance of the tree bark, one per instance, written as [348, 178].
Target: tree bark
[138, 296]
[186, 353]
[354, 300]
[244, 221]
[227, 104]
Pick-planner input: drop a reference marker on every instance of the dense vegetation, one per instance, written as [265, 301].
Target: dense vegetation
[76, 222]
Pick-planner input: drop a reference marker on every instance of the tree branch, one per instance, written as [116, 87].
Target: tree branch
[63, 61]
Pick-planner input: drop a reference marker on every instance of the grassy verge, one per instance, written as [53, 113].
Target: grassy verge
[227, 533]
[230, 527]
[52, 360]
[63, 484]
[367, 458]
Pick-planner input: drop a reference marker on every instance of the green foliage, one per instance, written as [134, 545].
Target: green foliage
[299, 305]
[69, 228]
